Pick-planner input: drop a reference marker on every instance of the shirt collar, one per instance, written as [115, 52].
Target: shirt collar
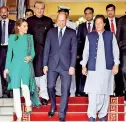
[111, 19]
[90, 22]
[7, 20]
[101, 32]
[63, 29]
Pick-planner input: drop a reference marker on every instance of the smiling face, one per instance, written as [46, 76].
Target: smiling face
[23, 28]
[39, 9]
[4, 13]
[61, 20]
[99, 24]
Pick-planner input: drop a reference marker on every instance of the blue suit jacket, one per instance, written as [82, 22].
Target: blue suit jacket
[63, 55]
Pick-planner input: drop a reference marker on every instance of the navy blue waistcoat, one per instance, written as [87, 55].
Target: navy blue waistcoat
[93, 38]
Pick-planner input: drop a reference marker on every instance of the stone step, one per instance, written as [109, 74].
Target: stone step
[8, 118]
[6, 102]
[6, 110]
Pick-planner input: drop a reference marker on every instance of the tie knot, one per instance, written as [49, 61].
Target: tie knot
[111, 20]
[61, 30]
[89, 23]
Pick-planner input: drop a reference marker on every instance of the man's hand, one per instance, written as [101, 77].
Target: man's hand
[45, 69]
[115, 69]
[27, 59]
[84, 71]
[6, 72]
[78, 57]
[71, 70]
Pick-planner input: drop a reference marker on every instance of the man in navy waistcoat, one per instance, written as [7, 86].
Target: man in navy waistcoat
[101, 53]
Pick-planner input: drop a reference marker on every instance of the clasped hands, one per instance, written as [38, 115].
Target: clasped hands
[26, 59]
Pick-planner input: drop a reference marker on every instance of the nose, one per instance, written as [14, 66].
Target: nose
[39, 10]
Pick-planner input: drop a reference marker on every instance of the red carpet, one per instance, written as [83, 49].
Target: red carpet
[77, 110]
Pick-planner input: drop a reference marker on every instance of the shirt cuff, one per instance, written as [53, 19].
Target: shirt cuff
[83, 63]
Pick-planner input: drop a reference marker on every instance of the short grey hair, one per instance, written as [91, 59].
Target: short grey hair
[39, 2]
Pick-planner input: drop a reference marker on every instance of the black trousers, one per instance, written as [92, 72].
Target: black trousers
[119, 84]
[3, 53]
[80, 79]
[123, 69]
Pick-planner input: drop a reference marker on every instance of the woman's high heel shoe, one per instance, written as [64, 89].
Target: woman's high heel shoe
[28, 109]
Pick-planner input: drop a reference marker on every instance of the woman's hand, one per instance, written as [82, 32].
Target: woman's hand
[45, 70]
[84, 71]
[6, 72]
[27, 59]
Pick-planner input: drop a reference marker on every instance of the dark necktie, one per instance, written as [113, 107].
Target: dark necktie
[60, 36]
[112, 27]
[3, 33]
[89, 27]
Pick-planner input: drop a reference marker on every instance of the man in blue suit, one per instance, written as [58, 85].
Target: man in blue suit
[59, 60]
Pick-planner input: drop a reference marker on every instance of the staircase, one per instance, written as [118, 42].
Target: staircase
[6, 110]
[77, 110]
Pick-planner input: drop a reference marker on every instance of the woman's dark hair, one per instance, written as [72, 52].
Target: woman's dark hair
[99, 17]
[17, 24]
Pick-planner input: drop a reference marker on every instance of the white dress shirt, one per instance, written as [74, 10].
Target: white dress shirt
[63, 30]
[92, 23]
[114, 22]
[71, 24]
[6, 30]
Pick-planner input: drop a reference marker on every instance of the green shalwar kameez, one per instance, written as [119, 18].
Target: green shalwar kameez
[19, 69]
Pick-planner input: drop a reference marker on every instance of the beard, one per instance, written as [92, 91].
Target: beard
[3, 16]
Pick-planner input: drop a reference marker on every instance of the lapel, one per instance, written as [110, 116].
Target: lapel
[56, 35]
[93, 29]
[116, 19]
[9, 27]
[0, 31]
[0, 27]
[56, 32]
[107, 24]
[86, 30]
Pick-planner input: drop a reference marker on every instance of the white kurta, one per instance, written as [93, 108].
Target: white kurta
[100, 81]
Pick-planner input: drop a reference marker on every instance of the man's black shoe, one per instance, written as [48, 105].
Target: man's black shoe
[51, 113]
[44, 102]
[61, 119]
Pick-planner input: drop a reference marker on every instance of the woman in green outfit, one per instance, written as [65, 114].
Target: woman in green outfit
[19, 70]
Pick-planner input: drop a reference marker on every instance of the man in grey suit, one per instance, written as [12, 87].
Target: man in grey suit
[59, 60]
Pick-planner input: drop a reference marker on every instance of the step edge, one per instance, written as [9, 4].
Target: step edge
[75, 112]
